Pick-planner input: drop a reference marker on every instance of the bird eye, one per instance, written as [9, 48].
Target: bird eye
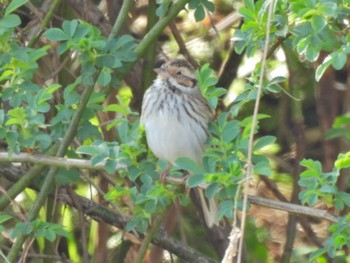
[178, 73]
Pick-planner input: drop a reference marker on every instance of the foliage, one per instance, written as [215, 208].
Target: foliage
[320, 186]
[37, 109]
[309, 26]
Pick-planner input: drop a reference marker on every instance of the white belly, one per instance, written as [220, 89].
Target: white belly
[170, 139]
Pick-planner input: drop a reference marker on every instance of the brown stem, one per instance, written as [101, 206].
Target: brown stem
[182, 45]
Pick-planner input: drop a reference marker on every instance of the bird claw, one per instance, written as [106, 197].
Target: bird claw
[164, 174]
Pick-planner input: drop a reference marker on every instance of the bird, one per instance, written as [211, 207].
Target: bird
[175, 116]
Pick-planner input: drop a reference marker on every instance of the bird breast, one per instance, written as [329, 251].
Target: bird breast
[174, 125]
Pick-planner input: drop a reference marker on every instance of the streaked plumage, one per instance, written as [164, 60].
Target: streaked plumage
[175, 116]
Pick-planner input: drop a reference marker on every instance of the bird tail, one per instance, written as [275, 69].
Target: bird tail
[210, 209]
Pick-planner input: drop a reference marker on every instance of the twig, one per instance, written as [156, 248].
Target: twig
[182, 45]
[250, 169]
[293, 208]
[123, 15]
[148, 238]
[45, 22]
[150, 55]
[24, 180]
[284, 206]
[161, 239]
[302, 220]
[82, 224]
[61, 162]
[159, 27]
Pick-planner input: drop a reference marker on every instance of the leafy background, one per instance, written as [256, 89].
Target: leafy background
[78, 182]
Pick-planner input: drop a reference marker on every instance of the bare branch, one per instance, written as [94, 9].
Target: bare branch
[52, 161]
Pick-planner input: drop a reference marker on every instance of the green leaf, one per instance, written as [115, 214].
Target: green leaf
[249, 4]
[212, 190]
[264, 141]
[21, 228]
[339, 60]
[247, 13]
[263, 168]
[10, 21]
[104, 78]
[14, 4]
[98, 159]
[56, 34]
[226, 209]
[2, 117]
[316, 254]
[70, 27]
[111, 166]
[89, 150]
[230, 131]
[45, 141]
[18, 117]
[195, 180]
[343, 161]
[312, 53]
[137, 223]
[192, 4]
[65, 176]
[209, 5]
[318, 23]
[105, 60]
[49, 235]
[322, 68]
[4, 218]
[328, 189]
[199, 13]
[188, 165]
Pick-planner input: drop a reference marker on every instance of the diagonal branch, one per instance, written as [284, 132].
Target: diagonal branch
[161, 239]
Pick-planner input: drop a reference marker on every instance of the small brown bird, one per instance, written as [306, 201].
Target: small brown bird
[175, 116]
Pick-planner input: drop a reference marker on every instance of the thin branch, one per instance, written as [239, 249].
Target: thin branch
[24, 180]
[250, 167]
[61, 162]
[182, 45]
[150, 55]
[161, 239]
[284, 206]
[123, 15]
[159, 27]
[148, 238]
[293, 208]
[305, 224]
[49, 15]
[82, 224]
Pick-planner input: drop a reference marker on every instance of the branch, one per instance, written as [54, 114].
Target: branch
[293, 208]
[49, 15]
[159, 27]
[283, 206]
[86, 164]
[250, 168]
[182, 45]
[23, 181]
[161, 239]
[123, 15]
[61, 162]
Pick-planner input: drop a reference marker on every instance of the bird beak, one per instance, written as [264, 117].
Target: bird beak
[161, 72]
